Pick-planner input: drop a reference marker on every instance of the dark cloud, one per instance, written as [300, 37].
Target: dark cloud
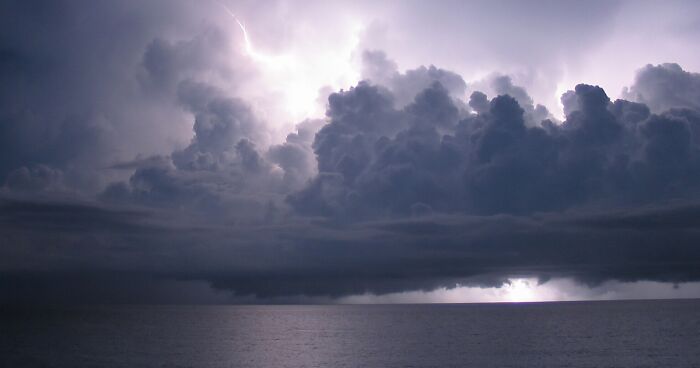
[381, 161]
[665, 86]
[378, 69]
[295, 156]
[534, 114]
[479, 102]
[402, 198]
[223, 173]
[131, 155]
[35, 179]
[83, 86]
[133, 103]
[307, 258]
[221, 124]
[165, 63]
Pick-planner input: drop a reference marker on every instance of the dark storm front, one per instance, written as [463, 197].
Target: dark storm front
[585, 334]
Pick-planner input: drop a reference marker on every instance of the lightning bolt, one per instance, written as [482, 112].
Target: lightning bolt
[275, 61]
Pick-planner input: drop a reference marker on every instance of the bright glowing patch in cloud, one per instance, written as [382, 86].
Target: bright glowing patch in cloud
[518, 290]
[304, 69]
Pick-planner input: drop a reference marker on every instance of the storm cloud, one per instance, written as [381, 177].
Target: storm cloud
[375, 160]
[153, 161]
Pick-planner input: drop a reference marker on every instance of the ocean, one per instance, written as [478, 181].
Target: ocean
[572, 334]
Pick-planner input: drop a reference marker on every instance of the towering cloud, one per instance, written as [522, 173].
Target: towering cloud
[149, 159]
[379, 161]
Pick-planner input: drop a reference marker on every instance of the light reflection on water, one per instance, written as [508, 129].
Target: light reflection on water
[588, 334]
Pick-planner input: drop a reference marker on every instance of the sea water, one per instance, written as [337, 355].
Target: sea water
[574, 334]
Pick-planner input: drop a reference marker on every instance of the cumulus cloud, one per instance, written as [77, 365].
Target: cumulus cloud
[665, 86]
[157, 164]
[379, 69]
[221, 124]
[228, 170]
[84, 86]
[380, 161]
[404, 198]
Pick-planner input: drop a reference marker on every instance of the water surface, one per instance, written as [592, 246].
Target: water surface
[582, 334]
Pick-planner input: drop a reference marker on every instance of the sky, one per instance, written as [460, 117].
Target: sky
[280, 151]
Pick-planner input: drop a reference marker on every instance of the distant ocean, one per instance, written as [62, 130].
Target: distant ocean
[580, 334]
